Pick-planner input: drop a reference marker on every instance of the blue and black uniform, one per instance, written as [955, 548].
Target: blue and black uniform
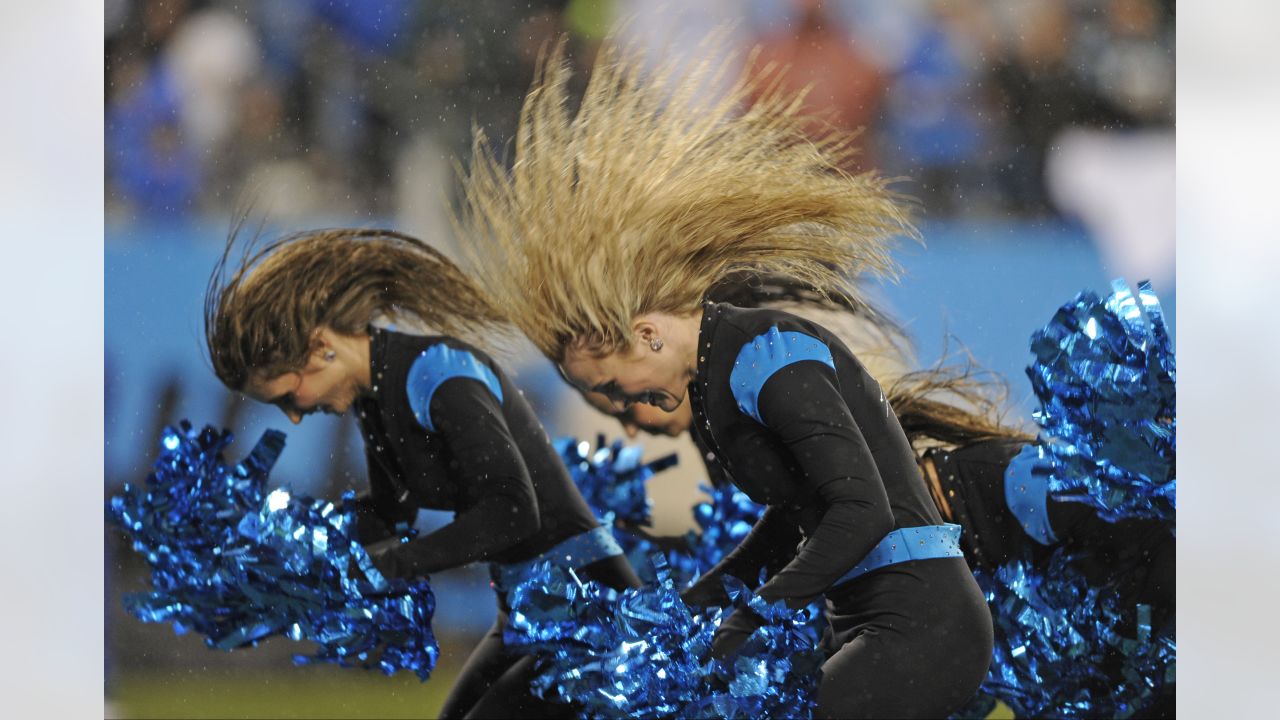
[1007, 514]
[445, 429]
[1006, 510]
[801, 427]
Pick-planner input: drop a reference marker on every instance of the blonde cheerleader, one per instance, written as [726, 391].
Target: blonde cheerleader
[601, 244]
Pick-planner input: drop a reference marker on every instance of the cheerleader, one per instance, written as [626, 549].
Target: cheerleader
[992, 480]
[306, 324]
[602, 242]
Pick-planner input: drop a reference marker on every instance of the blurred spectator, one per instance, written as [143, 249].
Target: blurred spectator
[685, 34]
[149, 162]
[1038, 93]
[1043, 86]
[212, 54]
[1120, 185]
[1133, 60]
[937, 126]
[814, 52]
[267, 164]
[160, 18]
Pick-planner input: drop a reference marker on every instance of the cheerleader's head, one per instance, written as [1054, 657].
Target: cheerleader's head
[867, 331]
[621, 216]
[285, 323]
[654, 370]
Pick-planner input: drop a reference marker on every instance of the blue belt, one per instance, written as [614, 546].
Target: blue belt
[914, 543]
[578, 551]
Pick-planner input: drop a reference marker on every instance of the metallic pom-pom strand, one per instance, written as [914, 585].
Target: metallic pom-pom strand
[571, 626]
[612, 479]
[238, 564]
[724, 522]
[1067, 648]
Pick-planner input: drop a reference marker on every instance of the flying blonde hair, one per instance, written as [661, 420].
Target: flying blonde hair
[653, 192]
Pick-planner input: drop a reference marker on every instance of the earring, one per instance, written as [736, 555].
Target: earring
[330, 355]
[655, 344]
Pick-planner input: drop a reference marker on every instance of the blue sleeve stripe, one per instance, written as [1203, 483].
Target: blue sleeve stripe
[1026, 492]
[767, 354]
[437, 364]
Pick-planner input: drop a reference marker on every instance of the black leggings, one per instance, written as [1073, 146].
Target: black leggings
[909, 640]
[494, 682]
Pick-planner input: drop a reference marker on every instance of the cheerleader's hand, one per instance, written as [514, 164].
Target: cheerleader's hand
[385, 560]
[734, 632]
[708, 591]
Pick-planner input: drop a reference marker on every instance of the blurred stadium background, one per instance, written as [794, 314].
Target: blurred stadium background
[1037, 135]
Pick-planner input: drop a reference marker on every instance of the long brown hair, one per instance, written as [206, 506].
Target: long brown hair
[953, 404]
[652, 192]
[261, 316]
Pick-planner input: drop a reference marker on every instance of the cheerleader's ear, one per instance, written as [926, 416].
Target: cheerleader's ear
[321, 344]
[648, 333]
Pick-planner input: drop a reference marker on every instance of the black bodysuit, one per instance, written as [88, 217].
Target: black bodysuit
[816, 441]
[471, 445]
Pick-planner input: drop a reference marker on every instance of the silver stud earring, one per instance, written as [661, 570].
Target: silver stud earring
[330, 355]
[655, 344]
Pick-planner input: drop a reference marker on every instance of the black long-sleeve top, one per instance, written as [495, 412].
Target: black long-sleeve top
[815, 441]
[972, 480]
[470, 444]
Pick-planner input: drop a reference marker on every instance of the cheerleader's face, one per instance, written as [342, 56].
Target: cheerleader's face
[638, 375]
[645, 418]
[325, 384]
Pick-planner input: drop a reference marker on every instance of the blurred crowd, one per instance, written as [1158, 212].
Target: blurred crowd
[359, 107]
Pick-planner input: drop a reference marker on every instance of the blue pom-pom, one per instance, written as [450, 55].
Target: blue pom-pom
[238, 564]
[1105, 377]
[615, 485]
[612, 479]
[1067, 648]
[724, 522]
[644, 653]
